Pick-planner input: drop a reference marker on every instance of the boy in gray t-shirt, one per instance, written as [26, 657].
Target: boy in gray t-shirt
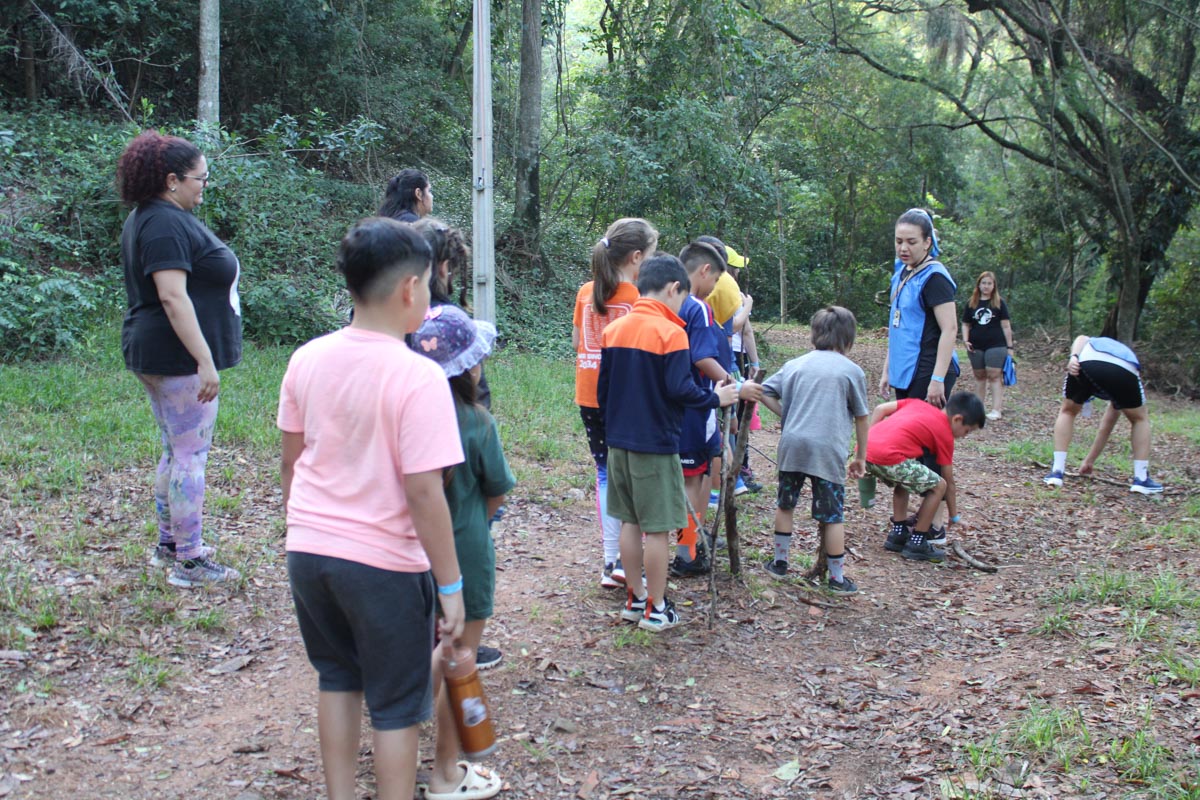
[817, 395]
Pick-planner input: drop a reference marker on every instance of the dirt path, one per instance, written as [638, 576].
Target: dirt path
[130, 695]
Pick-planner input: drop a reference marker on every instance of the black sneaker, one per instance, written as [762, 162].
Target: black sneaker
[922, 552]
[844, 586]
[777, 569]
[682, 567]
[898, 536]
[634, 609]
[937, 536]
[487, 657]
[719, 544]
[659, 619]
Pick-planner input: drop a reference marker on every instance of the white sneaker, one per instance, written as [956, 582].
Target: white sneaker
[994, 415]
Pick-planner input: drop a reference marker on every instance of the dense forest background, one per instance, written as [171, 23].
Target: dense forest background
[1058, 143]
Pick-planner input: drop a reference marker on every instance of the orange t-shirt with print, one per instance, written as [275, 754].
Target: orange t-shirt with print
[591, 327]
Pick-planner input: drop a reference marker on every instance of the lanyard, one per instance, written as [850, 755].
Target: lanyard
[904, 281]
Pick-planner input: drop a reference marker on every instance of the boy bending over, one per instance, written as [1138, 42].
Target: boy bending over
[903, 433]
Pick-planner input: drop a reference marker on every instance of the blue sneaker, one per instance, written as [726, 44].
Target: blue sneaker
[1055, 478]
[1146, 486]
[740, 488]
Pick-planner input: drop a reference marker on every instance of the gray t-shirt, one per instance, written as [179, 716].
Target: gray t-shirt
[821, 393]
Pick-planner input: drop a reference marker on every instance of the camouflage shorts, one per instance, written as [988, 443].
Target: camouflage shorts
[911, 475]
[829, 498]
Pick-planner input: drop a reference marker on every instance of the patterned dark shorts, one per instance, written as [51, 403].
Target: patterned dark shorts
[829, 498]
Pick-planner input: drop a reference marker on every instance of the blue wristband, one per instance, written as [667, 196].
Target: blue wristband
[956, 518]
[938, 378]
[452, 588]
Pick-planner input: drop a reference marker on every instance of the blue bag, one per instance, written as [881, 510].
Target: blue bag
[1010, 371]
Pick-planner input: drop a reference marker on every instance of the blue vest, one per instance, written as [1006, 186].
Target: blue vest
[904, 341]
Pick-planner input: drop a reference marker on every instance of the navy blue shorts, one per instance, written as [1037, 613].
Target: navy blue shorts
[829, 498]
[368, 630]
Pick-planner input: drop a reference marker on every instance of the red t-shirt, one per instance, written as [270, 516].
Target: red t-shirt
[915, 427]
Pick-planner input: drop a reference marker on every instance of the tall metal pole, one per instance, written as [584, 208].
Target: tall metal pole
[483, 246]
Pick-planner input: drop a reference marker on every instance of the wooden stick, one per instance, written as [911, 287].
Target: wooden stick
[958, 550]
[816, 603]
[731, 474]
[723, 496]
[1091, 476]
[820, 563]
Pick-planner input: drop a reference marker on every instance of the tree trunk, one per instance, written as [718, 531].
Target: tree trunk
[29, 63]
[527, 208]
[208, 111]
[464, 36]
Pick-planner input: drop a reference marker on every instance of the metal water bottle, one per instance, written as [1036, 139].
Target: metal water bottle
[472, 717]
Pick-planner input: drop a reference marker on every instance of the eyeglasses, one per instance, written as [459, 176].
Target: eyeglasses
[202, 178]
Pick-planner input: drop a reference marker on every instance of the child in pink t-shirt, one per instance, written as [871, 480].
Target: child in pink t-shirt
[368, 428]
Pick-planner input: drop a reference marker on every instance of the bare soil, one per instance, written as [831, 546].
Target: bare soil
[137, 691]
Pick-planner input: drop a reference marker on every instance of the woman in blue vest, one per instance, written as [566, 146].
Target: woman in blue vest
[922, 320]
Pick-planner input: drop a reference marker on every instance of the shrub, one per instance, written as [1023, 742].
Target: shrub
[45, 312]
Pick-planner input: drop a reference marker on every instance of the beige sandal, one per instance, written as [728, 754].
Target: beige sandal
[479, 783]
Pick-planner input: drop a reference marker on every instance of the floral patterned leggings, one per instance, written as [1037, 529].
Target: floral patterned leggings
[187, 432]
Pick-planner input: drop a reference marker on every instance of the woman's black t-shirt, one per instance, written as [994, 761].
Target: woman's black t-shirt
[159, 235]
[938, 290]
[986, 331]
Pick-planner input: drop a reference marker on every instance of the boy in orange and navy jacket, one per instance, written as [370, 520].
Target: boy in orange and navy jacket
[645, 383]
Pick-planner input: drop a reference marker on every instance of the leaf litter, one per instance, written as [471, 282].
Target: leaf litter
[915, 688]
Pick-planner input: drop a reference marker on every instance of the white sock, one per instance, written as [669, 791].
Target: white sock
[1141, 470]
[1060, 461]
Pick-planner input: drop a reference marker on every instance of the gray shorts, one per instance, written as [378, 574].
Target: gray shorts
[368, 630]
[992, 358]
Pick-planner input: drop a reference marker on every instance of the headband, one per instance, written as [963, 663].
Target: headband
[935, 250]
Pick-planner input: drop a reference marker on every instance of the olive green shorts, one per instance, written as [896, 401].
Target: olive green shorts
[646, 489]
[911, 475]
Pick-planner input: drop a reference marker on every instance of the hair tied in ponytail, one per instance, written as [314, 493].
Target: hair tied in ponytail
[604, 241]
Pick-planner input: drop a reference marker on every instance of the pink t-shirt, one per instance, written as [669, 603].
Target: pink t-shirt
[371, 411]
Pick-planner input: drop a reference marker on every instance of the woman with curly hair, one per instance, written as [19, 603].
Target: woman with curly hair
[183, 325]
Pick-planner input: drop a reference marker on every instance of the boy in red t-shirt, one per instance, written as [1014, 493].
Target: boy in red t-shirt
[905, 436]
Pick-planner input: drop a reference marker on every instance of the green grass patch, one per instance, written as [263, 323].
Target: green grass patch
[631, 636]
[534, 403]
[149, 671]
[1057, 623]
[73, 417]
[1053, 735]
[1184, 424]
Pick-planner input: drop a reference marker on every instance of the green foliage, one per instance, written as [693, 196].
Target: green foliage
[1171, 328]
[282, 219]
[43, 313]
